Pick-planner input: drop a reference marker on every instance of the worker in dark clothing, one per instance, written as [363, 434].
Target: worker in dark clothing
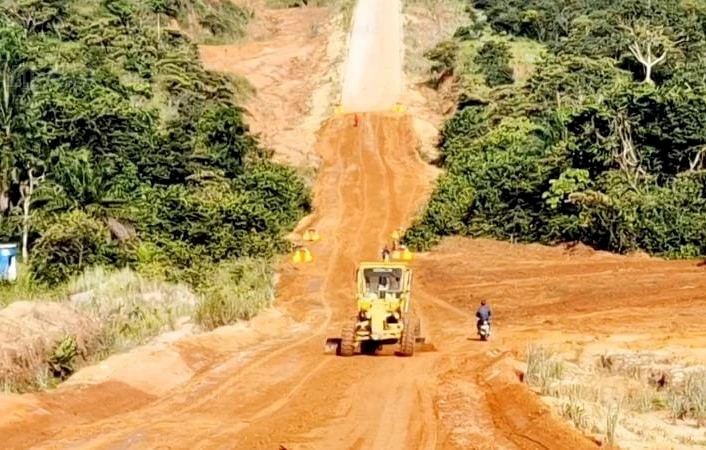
[483, 314]
[386, 254]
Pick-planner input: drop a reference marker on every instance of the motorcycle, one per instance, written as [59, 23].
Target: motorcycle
[484, 330]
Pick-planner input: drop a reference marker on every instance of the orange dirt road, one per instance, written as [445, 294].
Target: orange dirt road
[289, 393]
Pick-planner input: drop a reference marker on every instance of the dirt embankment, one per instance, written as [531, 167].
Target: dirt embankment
[30, 331]
[291, 61]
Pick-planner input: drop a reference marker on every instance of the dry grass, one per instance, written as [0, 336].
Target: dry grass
[345, 9]
[339, 27]
[31, 334]
[525, 55]
[235, 291]
[427, 23]
[688, 399]
[617, 396]
[100, 312]
[108, 311]
[612, 419]
[544, 370]
[131, 308]
[23, 288]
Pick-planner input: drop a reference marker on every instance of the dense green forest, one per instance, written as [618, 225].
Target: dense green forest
[119, 149]
[603, 143]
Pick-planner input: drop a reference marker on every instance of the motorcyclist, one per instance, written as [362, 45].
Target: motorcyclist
[483, 314]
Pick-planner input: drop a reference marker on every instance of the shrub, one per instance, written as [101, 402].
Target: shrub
[493, 59]
[235, 291]
[543, 369]
[130, 307]
[71, 244]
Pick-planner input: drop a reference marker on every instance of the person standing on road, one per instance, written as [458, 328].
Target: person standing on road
[386, 254]
[483, 314]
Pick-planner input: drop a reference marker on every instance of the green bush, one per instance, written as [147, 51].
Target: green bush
[493, 59]
[443, 58]
[63, 357]
[72, 243]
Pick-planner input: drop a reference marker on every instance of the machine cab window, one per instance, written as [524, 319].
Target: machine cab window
[379, 281]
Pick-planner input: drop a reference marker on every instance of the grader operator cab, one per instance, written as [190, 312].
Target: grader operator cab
[384, 316]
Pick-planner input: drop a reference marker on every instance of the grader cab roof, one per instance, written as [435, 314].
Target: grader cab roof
[384, 265]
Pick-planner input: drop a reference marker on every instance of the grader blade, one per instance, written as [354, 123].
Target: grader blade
[424, 345]
[332, 345]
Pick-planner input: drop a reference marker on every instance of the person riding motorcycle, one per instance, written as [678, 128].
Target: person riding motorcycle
[483, 314]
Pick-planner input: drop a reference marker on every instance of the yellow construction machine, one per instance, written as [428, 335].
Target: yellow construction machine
[384, 316]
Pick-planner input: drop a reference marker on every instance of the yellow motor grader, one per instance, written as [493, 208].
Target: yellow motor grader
[384, 316]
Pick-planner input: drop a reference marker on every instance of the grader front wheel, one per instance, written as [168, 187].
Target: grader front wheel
[410, 330]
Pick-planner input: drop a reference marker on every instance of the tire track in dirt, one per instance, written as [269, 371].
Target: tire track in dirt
[358, 238]
[376, 186]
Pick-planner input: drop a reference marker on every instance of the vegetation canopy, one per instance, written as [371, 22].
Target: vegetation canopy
[118, 148]
[602, 142]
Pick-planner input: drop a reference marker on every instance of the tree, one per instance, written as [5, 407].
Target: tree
[27, 190]
[650, 46]
[15, 80]
[493, 59]
[603, 144]
[443, 58]
[115, 138]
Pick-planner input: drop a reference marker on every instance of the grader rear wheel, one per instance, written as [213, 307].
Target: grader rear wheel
[347, 346]
[409, 335]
